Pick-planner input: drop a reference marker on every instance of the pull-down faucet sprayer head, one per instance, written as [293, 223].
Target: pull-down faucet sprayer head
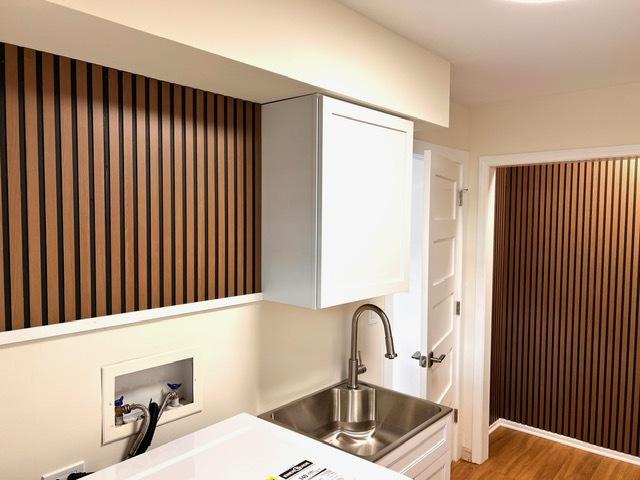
[391, 351]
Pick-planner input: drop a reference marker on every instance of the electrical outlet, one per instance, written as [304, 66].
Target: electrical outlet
[63, 473]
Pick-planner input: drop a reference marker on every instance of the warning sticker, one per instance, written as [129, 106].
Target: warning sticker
[307, 470]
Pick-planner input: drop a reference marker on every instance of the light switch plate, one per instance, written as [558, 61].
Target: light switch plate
[63, 473]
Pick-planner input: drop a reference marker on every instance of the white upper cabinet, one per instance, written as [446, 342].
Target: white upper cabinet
[336, 202]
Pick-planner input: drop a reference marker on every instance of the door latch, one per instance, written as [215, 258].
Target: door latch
[422, 360]
[433, 359]
[461, 196]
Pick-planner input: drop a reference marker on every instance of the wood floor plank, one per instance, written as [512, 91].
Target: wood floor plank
[515, 455]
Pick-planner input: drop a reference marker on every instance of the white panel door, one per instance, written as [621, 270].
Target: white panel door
[365, 190]
[442, 278]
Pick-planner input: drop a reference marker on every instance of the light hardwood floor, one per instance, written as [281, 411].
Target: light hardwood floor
[519, 456]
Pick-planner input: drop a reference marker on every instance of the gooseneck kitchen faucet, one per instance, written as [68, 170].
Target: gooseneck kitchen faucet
[355, 361]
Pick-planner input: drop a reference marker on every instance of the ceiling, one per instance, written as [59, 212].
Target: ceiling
[505, 50]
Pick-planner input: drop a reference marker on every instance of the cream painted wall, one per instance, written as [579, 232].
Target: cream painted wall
[321, 43]
[457, 135]
[588, 118]
[254, 357]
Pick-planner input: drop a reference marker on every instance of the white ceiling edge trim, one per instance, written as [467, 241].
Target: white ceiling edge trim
[123, 319]
[560, 156]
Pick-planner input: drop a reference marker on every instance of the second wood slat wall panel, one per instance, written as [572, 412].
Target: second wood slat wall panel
[120, 192]
[565, 313]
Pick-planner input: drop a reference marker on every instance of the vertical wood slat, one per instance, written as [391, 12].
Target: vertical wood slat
[565, 314]
[83, 236]
[257, 193]
[5, 281]
[231, 197]
[119, 192]
[99, 215]
[12, 123]
[129, 253]
[189, 218]
[165, 167]
[249, 128]
[154, 197]
[32, 190]
[221, 197]
[112, 178]
[179, 176]
[210, 212]
[240, 196]
[143, 191]
[200, 201]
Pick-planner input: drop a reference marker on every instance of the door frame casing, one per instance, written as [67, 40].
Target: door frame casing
[481, 332]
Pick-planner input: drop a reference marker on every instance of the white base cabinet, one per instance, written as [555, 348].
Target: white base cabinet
[336, 200]
[426, 456]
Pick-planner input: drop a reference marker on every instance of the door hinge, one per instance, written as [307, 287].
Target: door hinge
[461, 196]
[455, 415]
[458, 308]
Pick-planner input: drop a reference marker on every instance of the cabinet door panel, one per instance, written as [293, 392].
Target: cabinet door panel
[365, 203]
[438, 470]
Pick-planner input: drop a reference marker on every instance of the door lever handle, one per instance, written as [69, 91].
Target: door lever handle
[422, 360]
[433, 359]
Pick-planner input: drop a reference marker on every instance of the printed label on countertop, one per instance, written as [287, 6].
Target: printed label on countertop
[307, 470]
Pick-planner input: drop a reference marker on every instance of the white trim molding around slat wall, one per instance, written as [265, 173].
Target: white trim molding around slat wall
[123, 319]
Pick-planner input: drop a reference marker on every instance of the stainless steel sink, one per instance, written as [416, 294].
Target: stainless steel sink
[368, 421]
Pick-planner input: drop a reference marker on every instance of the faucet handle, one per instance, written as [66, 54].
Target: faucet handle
[361, 367]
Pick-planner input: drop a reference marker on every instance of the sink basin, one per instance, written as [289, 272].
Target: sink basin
[369, 421]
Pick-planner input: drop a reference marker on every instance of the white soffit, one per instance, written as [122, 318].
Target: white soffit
[281, 48]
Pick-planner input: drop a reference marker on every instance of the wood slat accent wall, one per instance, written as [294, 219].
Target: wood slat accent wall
[566, 312]
[120, 192]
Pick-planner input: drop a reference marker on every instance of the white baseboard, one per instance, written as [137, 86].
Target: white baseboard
[570, 442]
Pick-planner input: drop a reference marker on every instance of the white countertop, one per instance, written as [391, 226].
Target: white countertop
[243, 447]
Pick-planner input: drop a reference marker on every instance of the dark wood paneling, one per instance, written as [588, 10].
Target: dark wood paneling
[565, 308]
[120, 192]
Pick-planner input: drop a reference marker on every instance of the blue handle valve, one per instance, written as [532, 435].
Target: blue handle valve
[119, 401]
[174, 386]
